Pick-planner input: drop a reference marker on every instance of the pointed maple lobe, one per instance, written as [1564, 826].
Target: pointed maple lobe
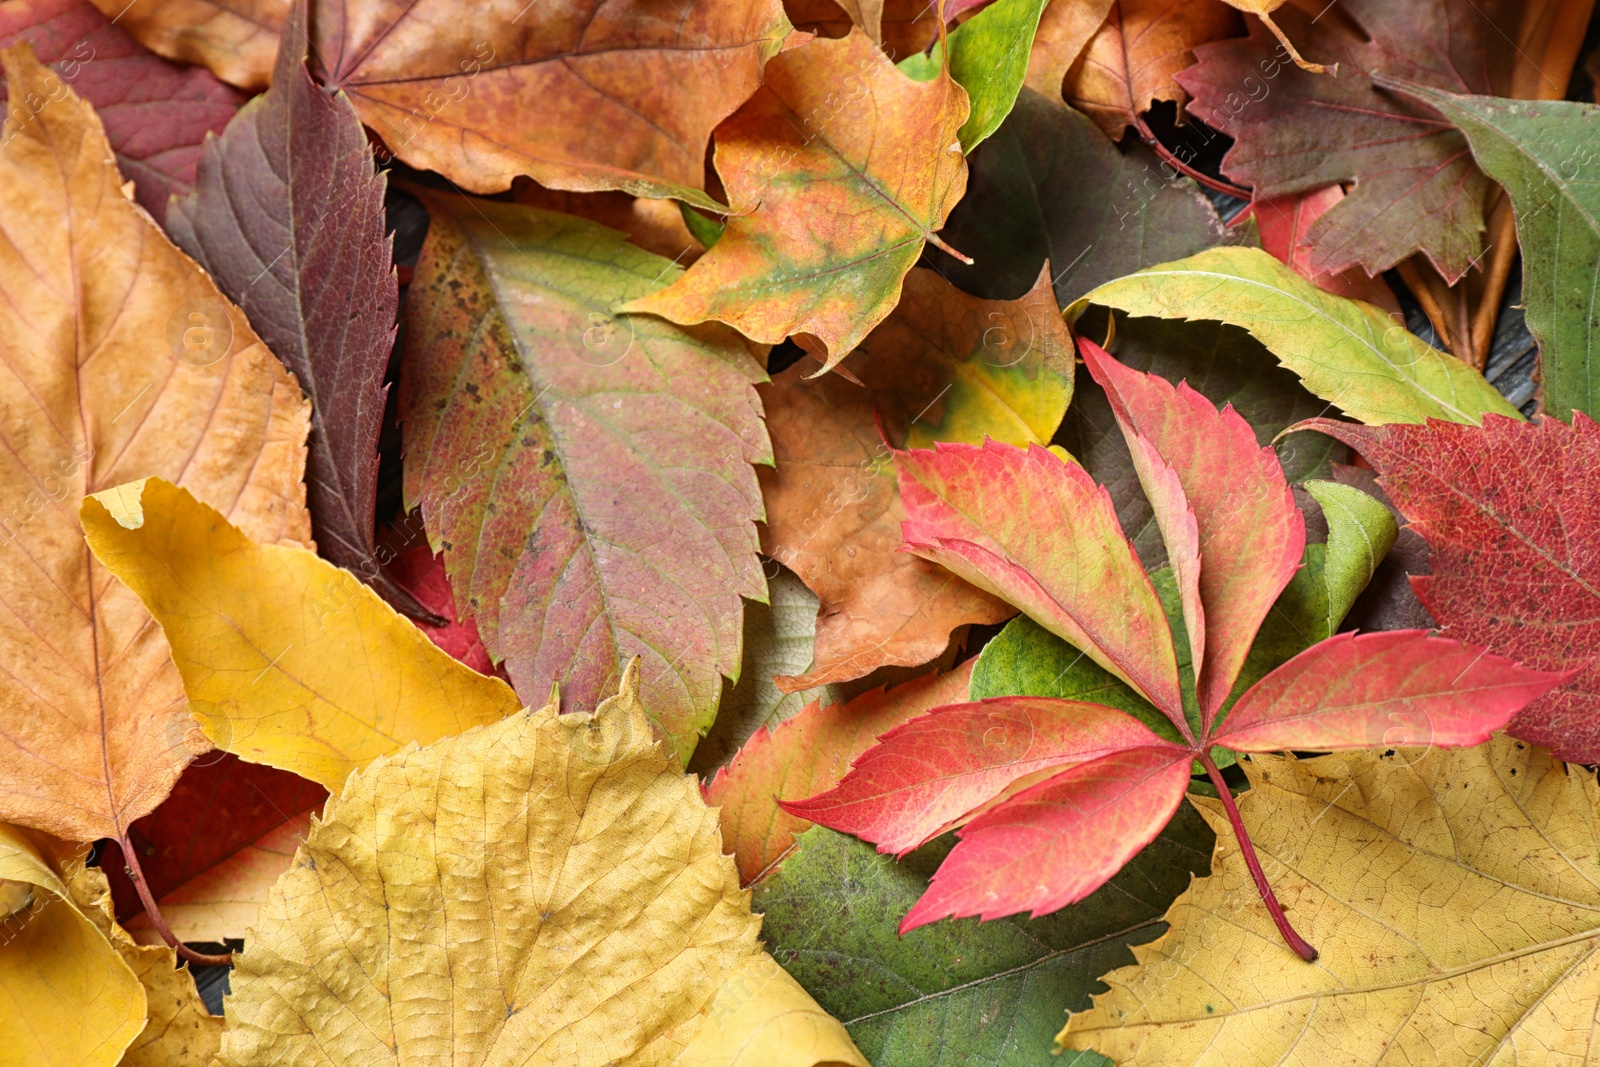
[1511, 512]
[931, 773]
[1250, 534]
[1414, 186]
[1037, 531]
[838, 171]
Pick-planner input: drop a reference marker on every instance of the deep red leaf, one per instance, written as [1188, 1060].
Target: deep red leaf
[220, 805]
[288, 217]
[930, 774]
[1415, 185]
[1054, 844]
[156, 112]
[1398, 687]
[1511, 511]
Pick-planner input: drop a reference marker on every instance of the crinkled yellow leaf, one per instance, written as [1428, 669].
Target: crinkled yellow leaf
[547, 889]
[286, 659]
[178, 1030]
[1454, 895]
[66, 996]
[121, 360]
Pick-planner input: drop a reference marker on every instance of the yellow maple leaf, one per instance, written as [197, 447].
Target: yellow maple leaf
[1454, 895]
[547, 889]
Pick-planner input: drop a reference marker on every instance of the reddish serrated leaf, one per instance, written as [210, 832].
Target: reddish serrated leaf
[935, 771]
[1416, 187]
[156, 113]
[1054, 844]
[1250, 534]
[588, 478]
[1398, 687]
[287, 215]
[1511, 511]
[807, 754]
[1036, 530]
[1283, 222]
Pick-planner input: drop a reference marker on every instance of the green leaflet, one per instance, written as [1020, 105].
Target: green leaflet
[1025, 659]
[1346, 352]
[988, 58]
[1547, 155]
[962, 992]
[1360, 533]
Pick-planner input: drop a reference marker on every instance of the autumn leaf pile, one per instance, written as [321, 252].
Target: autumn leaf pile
[789, 533]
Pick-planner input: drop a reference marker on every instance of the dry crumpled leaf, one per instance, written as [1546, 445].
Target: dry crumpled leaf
[838, 171]
[286, 659]
[1454, 895]
[944, 367]
[178, 1030]
[125, 361]
[1129, 63]
[74, 988]
[548, 889]
[66, 998]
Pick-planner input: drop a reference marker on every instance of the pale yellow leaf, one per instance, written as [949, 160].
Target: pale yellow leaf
[547, 889]
[1454, 895]
[67, 999]
[286, 659]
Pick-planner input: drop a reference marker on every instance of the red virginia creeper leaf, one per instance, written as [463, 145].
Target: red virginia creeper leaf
[288, 217]
[1054, 844]
[1416, 187]
[1035, 530]
[1250, 534]
[932, 773]
[1511, 511]
[1397, 687]
[156, 113]
[808, 754]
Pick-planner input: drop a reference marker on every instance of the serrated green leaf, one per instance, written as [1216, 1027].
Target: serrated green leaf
[1346, 352]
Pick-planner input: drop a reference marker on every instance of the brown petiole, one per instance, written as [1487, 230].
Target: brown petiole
[1301, 947]
[136, 873]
